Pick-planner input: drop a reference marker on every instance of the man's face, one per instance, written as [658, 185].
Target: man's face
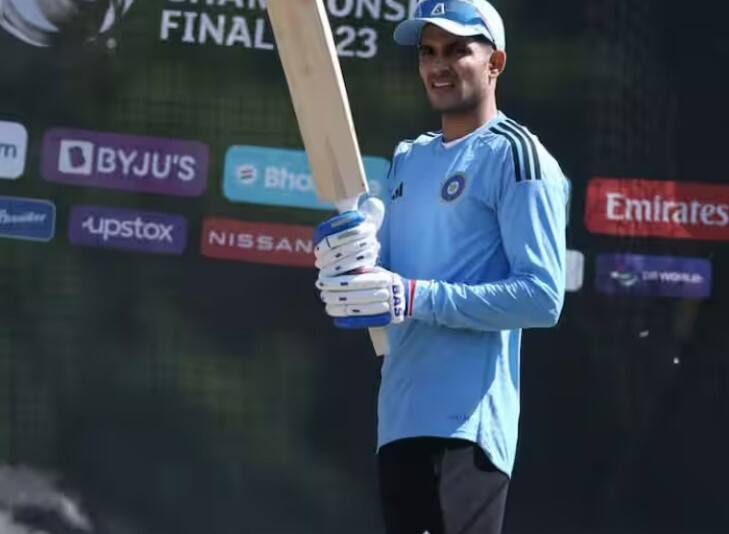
[454, 70]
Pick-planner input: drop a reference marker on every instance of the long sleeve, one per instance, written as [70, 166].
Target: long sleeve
[532, 220]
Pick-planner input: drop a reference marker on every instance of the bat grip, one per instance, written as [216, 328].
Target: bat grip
[378, 336]
[347, 204]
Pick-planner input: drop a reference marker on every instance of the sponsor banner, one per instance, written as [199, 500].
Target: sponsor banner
[243, 24]
[282, 177]
[27, 218]
[575, 270]
[660, 276]
[126, 162]
[117, 228]
[271, 243]
[13, 147]
[677, 210]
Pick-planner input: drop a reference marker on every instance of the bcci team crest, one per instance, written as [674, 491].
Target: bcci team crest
[453, 187]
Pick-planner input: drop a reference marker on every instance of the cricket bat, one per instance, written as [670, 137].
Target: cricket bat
[309, 58]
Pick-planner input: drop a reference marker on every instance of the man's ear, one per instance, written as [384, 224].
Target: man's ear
[497, 63]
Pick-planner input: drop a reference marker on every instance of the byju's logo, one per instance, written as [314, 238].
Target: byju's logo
[27, 218]
[660, 276]
[277, 244]
[76, 157]
[13, 147]
[127, 162]
[127, 230]
[281, 177]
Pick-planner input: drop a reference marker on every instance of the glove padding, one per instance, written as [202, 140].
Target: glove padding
[348, 242]
[365, 300]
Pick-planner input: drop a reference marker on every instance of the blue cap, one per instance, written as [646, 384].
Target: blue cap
[465, 18]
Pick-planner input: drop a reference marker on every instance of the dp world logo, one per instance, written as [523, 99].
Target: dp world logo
[282, 177]
[625, 277]
[127, 162]
[133, 230]
[658, 276]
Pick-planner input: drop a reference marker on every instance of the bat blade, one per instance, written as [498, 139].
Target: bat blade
[309, 57]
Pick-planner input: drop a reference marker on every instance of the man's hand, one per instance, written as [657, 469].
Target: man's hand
[357, 294]
[348, 242]
[369, 299]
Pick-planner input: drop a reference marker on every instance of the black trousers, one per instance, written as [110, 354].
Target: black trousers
[442, 486]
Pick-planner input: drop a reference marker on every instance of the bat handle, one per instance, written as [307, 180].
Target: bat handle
[347, 204]
[378, 336]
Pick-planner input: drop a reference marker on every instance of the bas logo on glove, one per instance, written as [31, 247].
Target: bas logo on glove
[374, 298]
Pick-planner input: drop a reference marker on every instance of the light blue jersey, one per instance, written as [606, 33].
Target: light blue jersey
[481, 226]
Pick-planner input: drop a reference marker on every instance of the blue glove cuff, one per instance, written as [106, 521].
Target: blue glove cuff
[338, 223]
[363, 321]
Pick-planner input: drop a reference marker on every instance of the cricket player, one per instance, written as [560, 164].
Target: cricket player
[471, 251]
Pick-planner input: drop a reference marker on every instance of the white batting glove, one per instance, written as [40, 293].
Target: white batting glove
[376, 298]
[354, 247]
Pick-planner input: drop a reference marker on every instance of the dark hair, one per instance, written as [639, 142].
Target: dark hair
[485, 40]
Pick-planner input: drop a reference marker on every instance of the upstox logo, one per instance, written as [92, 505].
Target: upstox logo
[27, 218]
[141, 231]
[127, 162]
[13, 147]
[282, 177]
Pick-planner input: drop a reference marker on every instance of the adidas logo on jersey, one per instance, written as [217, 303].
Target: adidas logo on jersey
[397, 193]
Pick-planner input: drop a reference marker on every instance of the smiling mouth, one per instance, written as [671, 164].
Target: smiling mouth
[442, 85]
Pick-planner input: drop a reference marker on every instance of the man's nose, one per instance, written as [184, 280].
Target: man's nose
[440, 65]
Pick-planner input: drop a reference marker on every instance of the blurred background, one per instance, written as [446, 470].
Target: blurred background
[185, 394]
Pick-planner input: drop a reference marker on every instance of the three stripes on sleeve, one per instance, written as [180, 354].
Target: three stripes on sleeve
[523, 149]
